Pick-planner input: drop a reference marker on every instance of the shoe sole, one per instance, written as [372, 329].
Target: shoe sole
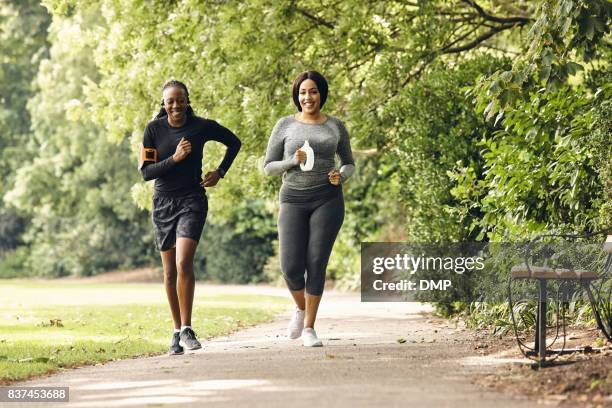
[314, 345]
[190, 348]
[176, 354]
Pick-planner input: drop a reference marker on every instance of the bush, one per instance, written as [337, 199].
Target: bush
[13, 264]
[237, 250]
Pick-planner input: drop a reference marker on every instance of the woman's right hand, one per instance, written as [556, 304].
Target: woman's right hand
[300, 156]
[182, 150]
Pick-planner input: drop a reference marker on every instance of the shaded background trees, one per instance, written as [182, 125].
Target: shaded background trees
[23, 45]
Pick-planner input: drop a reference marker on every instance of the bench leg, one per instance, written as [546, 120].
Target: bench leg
[541, 322]
[537, 329]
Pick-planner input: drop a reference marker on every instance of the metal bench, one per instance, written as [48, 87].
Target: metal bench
[543, 274]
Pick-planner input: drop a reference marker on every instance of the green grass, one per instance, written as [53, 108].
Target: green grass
[50, 325]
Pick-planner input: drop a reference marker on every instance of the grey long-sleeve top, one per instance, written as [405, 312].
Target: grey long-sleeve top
[326, 140]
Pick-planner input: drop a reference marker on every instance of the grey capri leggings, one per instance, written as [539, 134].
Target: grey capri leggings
[308, 223]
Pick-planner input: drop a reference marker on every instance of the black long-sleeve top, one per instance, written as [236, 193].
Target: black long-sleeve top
[176, 179]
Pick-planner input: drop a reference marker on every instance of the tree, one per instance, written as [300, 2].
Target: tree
[23, 44]
[241, 75]
[74, 184]
[391, 66]
[566, 35]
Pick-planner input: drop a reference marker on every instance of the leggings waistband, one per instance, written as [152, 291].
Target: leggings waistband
[323, 193]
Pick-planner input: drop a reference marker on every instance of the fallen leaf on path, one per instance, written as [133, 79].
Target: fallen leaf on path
[52, 323]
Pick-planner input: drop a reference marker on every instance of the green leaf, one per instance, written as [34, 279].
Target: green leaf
[506, 76]
[494, 88]
[600, 24]
[531, 133]
[573, 67]
[489, 107]
[504, 97]
[547, 57]
[500, 115]
[544, 73]
[519, 78]
[566, 25]
[587, 27]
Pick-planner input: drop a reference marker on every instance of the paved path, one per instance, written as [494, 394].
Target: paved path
[361, 364]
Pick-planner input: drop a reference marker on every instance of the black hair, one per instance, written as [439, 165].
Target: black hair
[317, 78]
[175, 84]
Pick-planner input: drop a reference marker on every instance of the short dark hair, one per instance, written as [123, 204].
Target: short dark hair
[317, 78]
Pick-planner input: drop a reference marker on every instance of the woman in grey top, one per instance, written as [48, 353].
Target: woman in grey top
[311, 201]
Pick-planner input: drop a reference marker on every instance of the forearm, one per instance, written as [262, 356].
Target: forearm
[225, 136]
[152, 171]
[347, 163]
[233, 147]
[346, 171]
[277, 168]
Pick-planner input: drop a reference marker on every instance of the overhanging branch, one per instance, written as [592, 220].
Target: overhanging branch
[477, 41]
[311, 16]
[502, 20]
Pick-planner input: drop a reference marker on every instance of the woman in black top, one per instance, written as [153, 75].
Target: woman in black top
[171, 153]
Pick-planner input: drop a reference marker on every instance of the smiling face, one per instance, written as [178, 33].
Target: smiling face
[175, 103]
[309, 97]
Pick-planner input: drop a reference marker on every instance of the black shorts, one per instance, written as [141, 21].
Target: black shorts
[175, 217]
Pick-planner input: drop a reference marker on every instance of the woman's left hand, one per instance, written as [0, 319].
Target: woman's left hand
[334, 177]
[210, 179]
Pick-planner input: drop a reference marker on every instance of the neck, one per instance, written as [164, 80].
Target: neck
[176, 124]
[311, 117]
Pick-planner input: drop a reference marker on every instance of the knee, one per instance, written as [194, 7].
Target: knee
[317, 264]
[315, 280]
[292, 267]
[170, 274]
[184, 266]
[295, 283]
[293, 273]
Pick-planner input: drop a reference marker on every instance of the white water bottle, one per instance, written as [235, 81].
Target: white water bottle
[309, 157]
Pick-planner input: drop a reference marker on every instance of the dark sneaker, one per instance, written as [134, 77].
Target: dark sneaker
[188, 340]
[175, 348]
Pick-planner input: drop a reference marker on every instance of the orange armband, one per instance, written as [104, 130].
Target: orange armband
[146, 154]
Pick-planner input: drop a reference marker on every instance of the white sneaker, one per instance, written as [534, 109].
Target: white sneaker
[310, 339]
[296, 325]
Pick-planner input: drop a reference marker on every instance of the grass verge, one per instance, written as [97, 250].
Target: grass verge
[48, 326]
